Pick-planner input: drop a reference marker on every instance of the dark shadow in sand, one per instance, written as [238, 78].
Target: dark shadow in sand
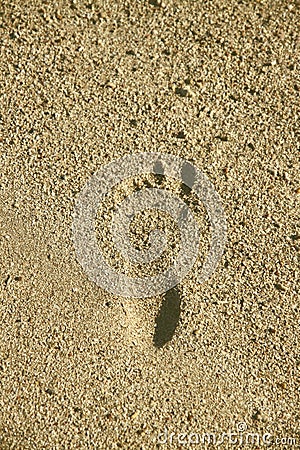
[188, 175]
[169, 314]
[168, 318]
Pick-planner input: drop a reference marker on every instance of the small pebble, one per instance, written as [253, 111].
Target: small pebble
[180, 135]
[49, 391]
[111, 84]
[181, 92]
[222, 138]
[7, 280]
[134, 415]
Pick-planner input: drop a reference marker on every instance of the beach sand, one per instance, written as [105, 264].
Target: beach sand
[84, 83]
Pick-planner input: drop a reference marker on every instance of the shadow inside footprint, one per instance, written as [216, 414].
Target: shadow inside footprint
[188, 175]
[169, 314]
[168, 317]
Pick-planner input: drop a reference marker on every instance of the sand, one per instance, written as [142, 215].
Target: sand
[82, 84]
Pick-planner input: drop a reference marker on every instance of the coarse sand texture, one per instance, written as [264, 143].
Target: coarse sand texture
[92, 362]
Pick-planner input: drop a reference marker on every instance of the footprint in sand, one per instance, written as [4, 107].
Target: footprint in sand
[152, 197]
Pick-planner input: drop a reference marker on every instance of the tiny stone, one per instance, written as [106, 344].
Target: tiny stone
[286, 176]
[295, 237]
[222, 138]
[7, 280]
[13, 35]
[49, 391]
[256, 415]
[180, 135]
[182, 92]
[157, 3]
[134, 415]
[279, 287]
[111, 85]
